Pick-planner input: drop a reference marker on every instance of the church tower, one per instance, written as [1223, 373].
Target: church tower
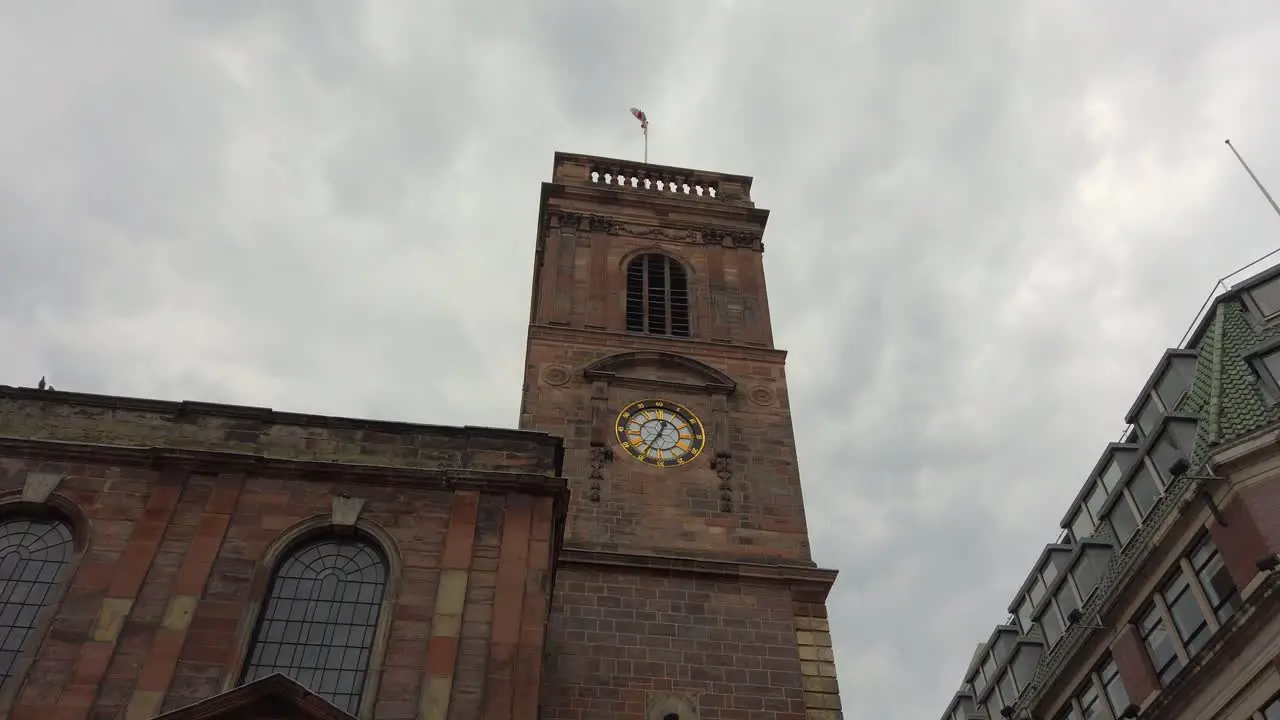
[685, 586]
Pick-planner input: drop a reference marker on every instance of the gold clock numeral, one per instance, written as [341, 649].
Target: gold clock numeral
[660, 432]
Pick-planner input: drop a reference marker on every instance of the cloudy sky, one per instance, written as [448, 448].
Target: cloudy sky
[988, 223]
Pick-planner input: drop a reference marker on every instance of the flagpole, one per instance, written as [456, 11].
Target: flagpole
[1247, 169]
[638, 114]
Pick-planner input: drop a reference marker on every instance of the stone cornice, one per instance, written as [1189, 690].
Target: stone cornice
[189, 408]
[635, 205]
[591, 218]
[817, 581]
[606, 369]
[218, 461]
[677, 346]
[1249, 450]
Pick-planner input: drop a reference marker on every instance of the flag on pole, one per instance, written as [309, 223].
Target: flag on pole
[644, 120]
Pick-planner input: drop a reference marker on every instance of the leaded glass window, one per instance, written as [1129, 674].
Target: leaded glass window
[33, 555]
[318, 620]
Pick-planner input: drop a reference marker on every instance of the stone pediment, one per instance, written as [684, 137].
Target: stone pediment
[657, 369]
[275, 697]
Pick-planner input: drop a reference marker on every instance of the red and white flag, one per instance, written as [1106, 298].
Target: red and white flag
[639, 115]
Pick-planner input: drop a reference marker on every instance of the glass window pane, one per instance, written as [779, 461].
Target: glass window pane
[1187, 616]
[1024, 616]
[1267, 297]
[1272, 710]
[1163, 454]
[1176, 380]
[1066, 600]
[1159, 645]
[1036, 593]
[1051, 624]
[1143, 490]
[1003, 648]
[1111, 475]
[1097, 496]
[1089, 702]
[1089, 569]
[1024, 664]
[1123, 523]
[1149, 418]
[1272, 363]
[1007, 691]
[1218, 586]
[1081, 525]
[317, 624]
[1049, 572]
[33, 559]
[1113, 687]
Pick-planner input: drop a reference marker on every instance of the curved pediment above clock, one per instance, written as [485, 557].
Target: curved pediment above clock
[656, 369]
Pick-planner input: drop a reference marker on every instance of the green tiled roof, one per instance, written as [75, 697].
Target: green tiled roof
[1229, 404]
[1242, 407]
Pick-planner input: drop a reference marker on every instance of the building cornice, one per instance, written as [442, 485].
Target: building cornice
[1249, 450]
[812, 582]
[218, 461]
[639, 207]
[182, 409]
[676, 346]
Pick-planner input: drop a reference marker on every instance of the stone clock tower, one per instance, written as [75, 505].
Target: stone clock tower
[685, 586]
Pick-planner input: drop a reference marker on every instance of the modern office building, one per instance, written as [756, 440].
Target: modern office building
[636, 549]
[1160, 598]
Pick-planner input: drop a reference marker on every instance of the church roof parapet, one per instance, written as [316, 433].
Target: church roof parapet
[105, 420]
[677, 182]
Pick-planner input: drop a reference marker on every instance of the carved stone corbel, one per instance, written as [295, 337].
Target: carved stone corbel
[570, 220]
[603, 224]
[721, 462]
[600, 455]
[724, 470]
[600, 452]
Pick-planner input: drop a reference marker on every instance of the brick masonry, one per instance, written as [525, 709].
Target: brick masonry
[714, 637]
[161, 603]
[685, 590]
[103, 420]
[618, 636]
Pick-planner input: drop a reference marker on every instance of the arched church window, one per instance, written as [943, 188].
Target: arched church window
[657, 296]
[34, 553]
[319, 617]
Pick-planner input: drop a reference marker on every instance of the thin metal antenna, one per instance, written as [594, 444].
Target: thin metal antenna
[1256, 181]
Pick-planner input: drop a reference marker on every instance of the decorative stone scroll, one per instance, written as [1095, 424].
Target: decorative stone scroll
[600, 453]
[721, 462]
[732, 238]
[727, 237]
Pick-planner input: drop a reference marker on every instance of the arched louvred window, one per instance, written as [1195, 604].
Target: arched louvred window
[34, 553]
[657, 296]
[318, 620]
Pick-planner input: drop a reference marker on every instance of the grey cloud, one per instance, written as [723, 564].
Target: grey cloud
[986, 227]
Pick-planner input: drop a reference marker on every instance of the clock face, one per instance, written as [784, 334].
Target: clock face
[660, 432]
